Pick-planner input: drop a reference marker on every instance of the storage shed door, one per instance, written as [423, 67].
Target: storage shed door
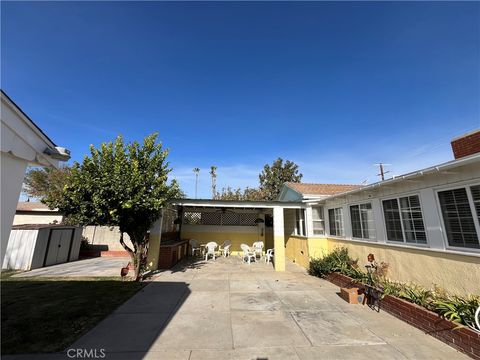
[59, 246]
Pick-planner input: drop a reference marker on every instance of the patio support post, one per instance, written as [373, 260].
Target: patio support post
[279, 238]
[154, 244]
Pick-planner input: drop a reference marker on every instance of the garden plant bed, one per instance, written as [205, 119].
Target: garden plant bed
[457, 336]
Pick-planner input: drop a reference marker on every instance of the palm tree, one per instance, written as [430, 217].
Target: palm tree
[196, 171]
[213, 173]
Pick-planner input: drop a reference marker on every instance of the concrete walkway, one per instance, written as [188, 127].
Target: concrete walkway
[229, 310]
[101, 266]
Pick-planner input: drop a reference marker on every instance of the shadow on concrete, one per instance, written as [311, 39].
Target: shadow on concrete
[85, 318]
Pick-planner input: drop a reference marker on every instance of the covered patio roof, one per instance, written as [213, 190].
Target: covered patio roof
[243, 204]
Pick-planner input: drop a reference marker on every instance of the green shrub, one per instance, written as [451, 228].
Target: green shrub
[459, 309]
[418, 295]
[391, 287]
[336, 261]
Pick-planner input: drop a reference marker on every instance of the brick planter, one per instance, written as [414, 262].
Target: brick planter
[457, 336]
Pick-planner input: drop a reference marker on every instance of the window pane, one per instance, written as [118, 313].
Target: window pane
[458, 218]
[335, 220]
[392, 220]
[412, 220]
[368, 222]
[339, 221]
[356, 222]
[476, 199]
[331, 221]
[318, 221]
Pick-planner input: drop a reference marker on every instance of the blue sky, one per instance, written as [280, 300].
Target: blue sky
[335, 87]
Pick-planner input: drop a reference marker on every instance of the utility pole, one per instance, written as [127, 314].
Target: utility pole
[196, 171]
[382, 170]
[213, 173]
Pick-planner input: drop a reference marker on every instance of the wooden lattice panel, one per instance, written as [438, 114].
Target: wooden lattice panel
[192, 218]
[211, 218]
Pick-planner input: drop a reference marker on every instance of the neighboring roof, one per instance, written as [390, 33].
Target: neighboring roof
[33, 206]
[235, 203]
[41, 226]
[321, 189]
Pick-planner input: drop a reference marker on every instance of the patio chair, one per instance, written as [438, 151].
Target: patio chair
[258, 248]
[210, 250]
[223, 247]
[248, 254]
[226, 250]
[269, 255]
[195, 247]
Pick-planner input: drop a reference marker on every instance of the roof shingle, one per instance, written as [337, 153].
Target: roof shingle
[321, 189]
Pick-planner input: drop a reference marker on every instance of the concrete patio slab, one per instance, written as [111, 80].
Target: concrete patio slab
[156, 298]
[254, 301]
[384, 352]
[204, 330]
[205, 301]
[251, 313]
[101, 266]
[277, 353]
[248, 285]
[265, 329]
[124, 333]
[337, 328]
[304, 300]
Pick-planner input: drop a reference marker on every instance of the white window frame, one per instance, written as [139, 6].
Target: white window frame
[343, 221]
[319, 221]
[361, 225]
[404, 242]
[462, 184]
[300, 222]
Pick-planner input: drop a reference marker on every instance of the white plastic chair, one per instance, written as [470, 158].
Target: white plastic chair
[195, 247]
[210, 250]
[269, 255]
[258, 248]
[248, 254]
[224, 249]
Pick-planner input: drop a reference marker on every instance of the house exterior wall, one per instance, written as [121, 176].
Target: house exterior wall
[37, 218]
[435, 263]
[12, 174]
[236, 234]
[453, 272]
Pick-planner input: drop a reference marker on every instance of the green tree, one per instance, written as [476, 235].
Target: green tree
[41, 183]
[273, 177]
[238, 194]
[124, 185]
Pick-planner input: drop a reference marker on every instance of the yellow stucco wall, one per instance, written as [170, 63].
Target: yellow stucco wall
[237, 238]
[458, 274]
[317, 247]
[296, 249]
[279, 253]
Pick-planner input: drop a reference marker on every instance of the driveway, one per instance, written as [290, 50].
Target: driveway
[229, 310]
[100, 266]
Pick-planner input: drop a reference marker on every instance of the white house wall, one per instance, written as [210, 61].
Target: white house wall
[12, 174]
[425, 187]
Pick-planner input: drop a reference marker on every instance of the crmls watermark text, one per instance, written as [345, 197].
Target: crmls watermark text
[86, 353]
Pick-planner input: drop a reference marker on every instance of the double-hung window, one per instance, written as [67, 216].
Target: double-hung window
[335, 221]
[318, 220]
[363, 223]
[458, 207]
[404, 220]
[300, 222]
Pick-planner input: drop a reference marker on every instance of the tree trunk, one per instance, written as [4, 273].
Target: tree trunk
[130, 252]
